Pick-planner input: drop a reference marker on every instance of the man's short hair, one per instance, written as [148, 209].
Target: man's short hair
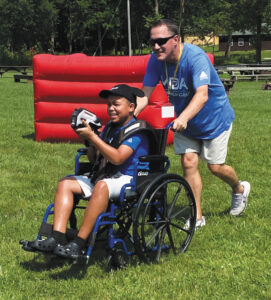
[172, 27]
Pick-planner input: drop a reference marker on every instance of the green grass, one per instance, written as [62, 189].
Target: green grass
[227, 259]
[237, 57]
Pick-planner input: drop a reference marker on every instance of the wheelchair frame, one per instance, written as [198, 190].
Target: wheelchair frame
[150, 214]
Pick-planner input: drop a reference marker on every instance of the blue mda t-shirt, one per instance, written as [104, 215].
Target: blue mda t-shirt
[140, 146]
[195, 70]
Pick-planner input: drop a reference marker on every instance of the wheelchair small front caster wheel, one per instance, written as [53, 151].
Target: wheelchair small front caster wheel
[117, 259]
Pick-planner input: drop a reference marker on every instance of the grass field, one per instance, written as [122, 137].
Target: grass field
[227, 259]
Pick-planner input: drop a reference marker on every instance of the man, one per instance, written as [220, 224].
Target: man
[204, 114]
[120, 161]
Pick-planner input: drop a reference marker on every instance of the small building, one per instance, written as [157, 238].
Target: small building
[208, 40]
[242, 41]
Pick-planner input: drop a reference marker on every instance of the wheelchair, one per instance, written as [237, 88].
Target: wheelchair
[149, 218]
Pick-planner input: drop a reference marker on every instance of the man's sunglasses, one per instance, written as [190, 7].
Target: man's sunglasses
[160, 41]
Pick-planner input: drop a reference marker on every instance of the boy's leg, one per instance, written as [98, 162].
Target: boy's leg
[97, 204]
[64, 197]
[63, 205]
[102, 191]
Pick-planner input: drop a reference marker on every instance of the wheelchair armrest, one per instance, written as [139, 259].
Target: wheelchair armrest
[82, 151]
[153, 158]
[152, 166]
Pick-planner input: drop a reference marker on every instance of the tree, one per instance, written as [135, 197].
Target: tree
[25, 23]
[256, 13]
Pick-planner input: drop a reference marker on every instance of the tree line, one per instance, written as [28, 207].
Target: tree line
[99, 27]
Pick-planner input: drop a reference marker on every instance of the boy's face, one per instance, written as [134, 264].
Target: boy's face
[119, 109]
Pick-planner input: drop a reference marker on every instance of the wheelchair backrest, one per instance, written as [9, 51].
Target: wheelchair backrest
[154, 164]
[161, 141]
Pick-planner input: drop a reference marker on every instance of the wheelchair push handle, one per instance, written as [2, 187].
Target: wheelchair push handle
[170, 126]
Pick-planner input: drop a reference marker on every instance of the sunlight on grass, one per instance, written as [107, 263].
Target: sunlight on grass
[227, 259]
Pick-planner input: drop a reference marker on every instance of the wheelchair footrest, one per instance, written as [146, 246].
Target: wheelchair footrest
[47, 230]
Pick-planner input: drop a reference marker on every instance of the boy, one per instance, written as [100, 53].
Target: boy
[120, 163]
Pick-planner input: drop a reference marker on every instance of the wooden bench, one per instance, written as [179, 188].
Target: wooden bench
[18, 77]
[249, 72]
[250, 76]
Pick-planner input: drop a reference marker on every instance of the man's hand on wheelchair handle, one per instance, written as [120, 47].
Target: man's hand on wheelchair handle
[179, 124]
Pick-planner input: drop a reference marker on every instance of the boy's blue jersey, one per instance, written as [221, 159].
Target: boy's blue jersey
[195, 70]
[139, 144]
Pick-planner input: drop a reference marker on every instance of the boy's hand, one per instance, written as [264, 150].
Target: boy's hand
[85, 132]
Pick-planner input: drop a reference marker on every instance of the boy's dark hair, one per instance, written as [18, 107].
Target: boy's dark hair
[172, 27]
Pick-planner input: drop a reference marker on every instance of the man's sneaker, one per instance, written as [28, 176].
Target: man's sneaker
[239, 201]
[199, 223]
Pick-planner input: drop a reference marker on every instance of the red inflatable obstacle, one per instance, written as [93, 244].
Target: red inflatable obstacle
[63, 83]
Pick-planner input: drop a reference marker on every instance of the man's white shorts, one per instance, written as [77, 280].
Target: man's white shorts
[212, 151]
[114, 184]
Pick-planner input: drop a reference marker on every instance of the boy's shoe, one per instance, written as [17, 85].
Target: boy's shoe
[239, 201]
[71, 250]
[199, 223]
[46, 245]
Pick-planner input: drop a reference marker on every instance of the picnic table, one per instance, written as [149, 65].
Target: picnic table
[249, 72]
[21, 69]
[18, 77]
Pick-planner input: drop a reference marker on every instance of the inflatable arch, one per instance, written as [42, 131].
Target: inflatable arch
[63, 83]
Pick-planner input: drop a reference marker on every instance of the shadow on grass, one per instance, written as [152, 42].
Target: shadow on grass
[76, 271]
[30, 136]
[48, 262]
[41, 263]
[220, 214]
[99, 258]
[70, 269]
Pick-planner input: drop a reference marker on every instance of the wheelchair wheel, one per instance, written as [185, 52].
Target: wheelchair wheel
[159, 222]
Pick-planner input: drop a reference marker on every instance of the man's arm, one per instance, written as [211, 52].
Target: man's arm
[195, 105]
[142, 102]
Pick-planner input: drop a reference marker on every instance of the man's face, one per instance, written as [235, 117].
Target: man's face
[167, 48]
